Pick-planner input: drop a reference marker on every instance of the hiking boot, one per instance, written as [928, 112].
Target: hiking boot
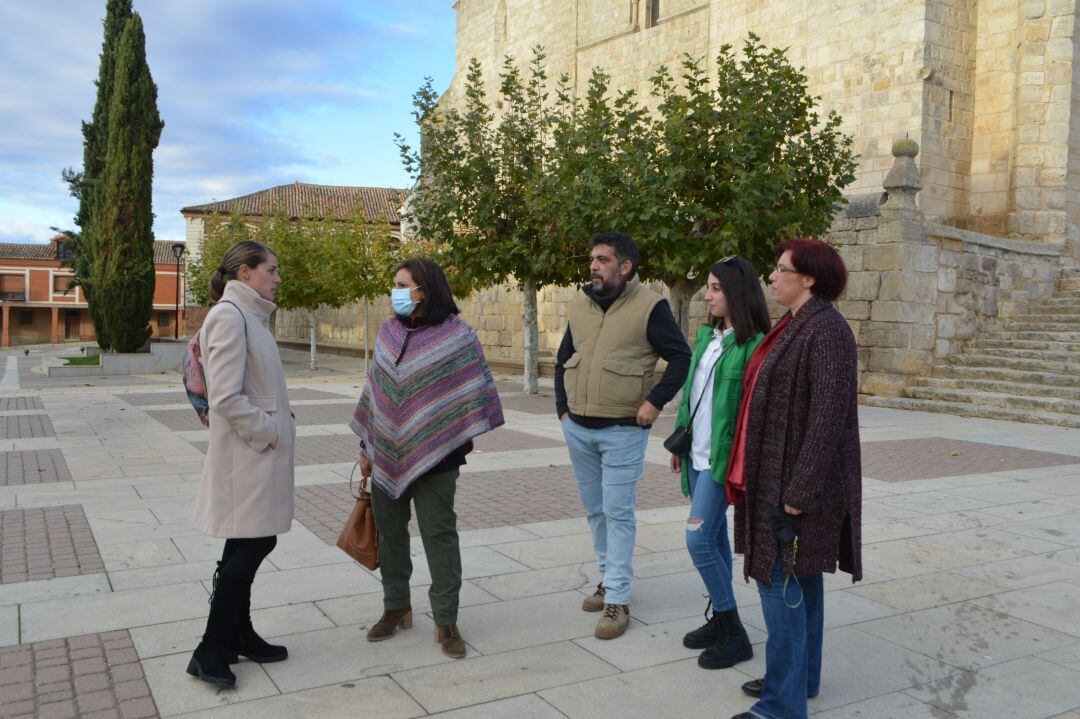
[595, 602]
[614, 622]
[731, 647]
[707, 634]
[449, 637]
[388, 624]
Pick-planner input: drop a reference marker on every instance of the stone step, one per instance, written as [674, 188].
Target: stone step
[1069, 284]
[973, 410]
[973, 359]
[1034, 335]
[1051, 379]
[1017, 389]
[995, 399]
[1021, 325]
[1058, 306]
[1028, 345]
[1052, 318]
[1038, 354]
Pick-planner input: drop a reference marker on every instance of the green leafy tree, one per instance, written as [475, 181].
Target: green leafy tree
[476, 195]
[83, 185]
[322, 261]
[737, 162]
[121, 236]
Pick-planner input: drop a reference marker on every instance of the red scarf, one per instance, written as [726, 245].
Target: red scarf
[736, 480]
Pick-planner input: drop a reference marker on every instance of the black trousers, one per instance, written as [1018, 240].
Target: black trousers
[241, 558]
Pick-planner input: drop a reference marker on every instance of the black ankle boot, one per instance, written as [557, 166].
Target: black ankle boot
[707, 634]
[246, 641]
[210, 661]
[732, 647]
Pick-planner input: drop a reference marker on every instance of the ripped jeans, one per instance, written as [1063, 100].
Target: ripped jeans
[707, 536]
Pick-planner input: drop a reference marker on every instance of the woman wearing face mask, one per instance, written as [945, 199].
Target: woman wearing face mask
[246, 492]
[738, 320]
[428, 394]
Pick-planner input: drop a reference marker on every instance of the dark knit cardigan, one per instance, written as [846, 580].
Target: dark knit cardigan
[802, 448]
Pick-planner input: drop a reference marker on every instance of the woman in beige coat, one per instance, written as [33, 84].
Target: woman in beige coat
[246, 493]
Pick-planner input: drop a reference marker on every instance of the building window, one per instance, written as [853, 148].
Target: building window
[26, 317]
[60, 283]
[163, 319]
[13, 287]
[652, 12]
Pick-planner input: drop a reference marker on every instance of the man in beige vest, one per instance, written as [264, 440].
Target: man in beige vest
[606, 401]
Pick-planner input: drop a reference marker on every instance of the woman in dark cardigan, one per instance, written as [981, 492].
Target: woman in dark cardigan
[795, 472]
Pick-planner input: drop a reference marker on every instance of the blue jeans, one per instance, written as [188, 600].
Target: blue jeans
[793, 648]
[607, 464]
[707, 537]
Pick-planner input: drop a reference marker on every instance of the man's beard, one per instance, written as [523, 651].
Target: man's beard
[605, 288]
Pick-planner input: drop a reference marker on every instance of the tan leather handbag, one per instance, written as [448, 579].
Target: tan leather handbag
[359, 537]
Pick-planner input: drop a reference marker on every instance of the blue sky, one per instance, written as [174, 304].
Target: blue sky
[254, 93]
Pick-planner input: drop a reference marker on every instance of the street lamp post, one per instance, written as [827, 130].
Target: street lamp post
[178, 253]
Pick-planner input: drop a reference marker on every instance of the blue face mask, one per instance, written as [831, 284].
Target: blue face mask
[402, 302]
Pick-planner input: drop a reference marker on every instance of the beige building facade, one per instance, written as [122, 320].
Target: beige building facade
[988, 88]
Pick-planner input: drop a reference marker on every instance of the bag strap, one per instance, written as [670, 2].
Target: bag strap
[244, 319]
[710, 375]
[365, 487]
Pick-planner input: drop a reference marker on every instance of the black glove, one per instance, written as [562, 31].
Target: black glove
[782, 524]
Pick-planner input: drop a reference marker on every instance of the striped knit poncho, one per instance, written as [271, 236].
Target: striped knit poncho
[428, 392]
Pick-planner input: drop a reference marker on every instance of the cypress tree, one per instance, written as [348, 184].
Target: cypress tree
[122, 219]
[95, 137]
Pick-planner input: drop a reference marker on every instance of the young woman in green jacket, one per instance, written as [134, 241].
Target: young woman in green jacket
[738, 320]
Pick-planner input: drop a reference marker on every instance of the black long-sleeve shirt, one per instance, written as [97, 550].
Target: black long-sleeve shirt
[665, 337]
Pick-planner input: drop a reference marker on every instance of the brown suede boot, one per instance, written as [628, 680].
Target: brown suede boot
[449, 637]
[388, 624]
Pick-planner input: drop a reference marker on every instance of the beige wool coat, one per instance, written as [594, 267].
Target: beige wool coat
[247, 480]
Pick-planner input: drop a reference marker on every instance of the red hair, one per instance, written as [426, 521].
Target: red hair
[819, 260]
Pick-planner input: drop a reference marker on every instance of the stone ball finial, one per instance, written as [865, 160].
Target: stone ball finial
[905, 148]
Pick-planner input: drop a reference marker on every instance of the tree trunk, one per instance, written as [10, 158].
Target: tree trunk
[367, 345]
[532, 339]
[681, 293]
[314, 332]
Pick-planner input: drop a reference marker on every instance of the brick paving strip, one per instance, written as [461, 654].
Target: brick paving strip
[18, 404]
[491, 499]
[33, 467]
[45, 543]
[143, 399]
[92, 676]
[26, 426]
[336, 448]
[903, 460]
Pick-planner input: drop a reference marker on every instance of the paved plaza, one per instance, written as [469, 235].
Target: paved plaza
[970, 605]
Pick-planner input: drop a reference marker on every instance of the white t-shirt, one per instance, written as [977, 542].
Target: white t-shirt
[701, 391]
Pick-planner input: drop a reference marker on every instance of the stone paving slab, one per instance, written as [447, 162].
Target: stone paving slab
[47, 465]
[42, 543]
[88, 675]
[904, 460]
[306, 414]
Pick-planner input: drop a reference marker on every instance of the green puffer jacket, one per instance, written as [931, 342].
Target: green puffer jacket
[727, 389]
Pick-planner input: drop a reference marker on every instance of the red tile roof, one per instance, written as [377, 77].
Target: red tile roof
[47, 251]
[299, 198]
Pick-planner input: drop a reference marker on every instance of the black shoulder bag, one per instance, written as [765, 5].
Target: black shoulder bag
[681, 440]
